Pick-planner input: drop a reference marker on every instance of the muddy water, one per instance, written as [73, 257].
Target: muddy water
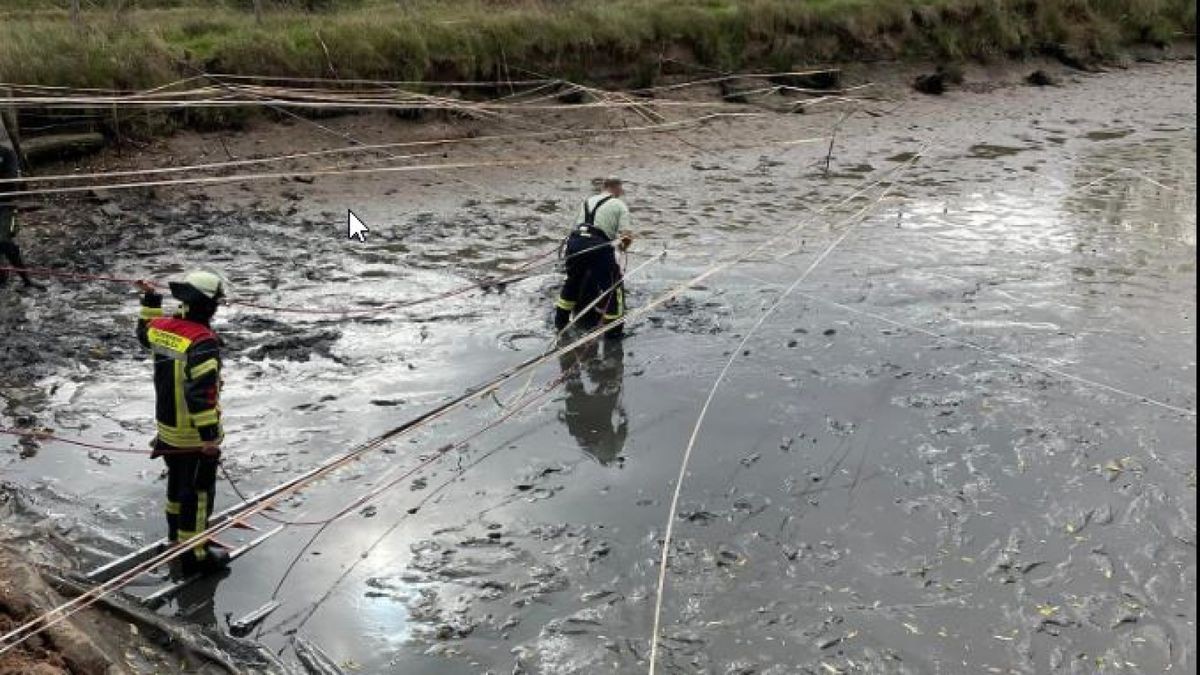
[863, 496]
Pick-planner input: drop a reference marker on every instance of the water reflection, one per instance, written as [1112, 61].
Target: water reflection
[196, 602]
[1139, 189]
[593, 412]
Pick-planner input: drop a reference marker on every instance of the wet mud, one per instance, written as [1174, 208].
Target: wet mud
[863, 498]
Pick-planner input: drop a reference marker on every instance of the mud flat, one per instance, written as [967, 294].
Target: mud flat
[865, 496]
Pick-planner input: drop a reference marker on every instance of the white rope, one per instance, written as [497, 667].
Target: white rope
[436, 168]
[380, 147]
[664, 559]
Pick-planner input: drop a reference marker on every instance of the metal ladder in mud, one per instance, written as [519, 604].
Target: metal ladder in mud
[257, 526]
[253, 530]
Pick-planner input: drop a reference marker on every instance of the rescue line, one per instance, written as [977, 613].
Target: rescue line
[523, 271]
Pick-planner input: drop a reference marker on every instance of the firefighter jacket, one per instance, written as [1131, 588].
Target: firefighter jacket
[187, 376]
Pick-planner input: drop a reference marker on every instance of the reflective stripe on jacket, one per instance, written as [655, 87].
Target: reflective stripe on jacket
[187, 376]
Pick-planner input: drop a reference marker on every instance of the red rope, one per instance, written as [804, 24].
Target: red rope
[519, 275]
[383, 308]
[45, 436]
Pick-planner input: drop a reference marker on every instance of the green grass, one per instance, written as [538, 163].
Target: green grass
[152, 42]
[476, 39]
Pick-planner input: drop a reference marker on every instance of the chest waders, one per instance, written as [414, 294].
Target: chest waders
[592, 270]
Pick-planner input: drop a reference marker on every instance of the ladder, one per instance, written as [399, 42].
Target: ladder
[250, 532]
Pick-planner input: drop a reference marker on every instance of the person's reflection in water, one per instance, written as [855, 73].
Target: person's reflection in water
[594, 414]
[197, 601]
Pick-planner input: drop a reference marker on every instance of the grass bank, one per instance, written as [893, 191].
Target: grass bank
[138, 44]
[632, 40]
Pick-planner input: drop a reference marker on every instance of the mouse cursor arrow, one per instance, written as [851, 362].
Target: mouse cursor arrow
[355, 228]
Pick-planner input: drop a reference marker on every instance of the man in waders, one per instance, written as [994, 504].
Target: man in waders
[591, 261]
[187, 387]
[10, 167]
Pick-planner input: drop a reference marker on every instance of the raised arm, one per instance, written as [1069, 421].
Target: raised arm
[151, 309]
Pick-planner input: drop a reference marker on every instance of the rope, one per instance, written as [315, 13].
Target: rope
[385, 85]
[390, 97]
[687, 453]
[309, 102]
[438, 454]
[218, 180]
[580, 313]
[211, 166]
[47, 436]
[316, 605]
[538, 261]
[655, 635]
[466, 288]
[316, 173]
[441, 452]
[263, 78]
[343, 135]
[520, 398]
[373, 147]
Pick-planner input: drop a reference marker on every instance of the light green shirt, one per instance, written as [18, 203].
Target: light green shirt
[610, 217]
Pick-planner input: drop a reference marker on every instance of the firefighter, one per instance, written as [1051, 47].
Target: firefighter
[187, 387]
[591, 260]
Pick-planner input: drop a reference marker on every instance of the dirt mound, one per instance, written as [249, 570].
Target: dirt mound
[113, 637]
[66, 647]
